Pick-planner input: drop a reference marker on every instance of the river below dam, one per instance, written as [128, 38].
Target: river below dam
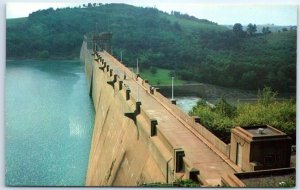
[49, 120]
[188, 95]
[186, 103]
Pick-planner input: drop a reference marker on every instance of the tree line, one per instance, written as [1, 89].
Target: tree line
[194, 49]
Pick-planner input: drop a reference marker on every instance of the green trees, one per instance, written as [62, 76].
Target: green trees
[225, 109]
[43, 54]
[177, 183]
[153, 70]
[219, 120]
[266, 30]
[251, 29]
[266, 96]
[238, 29]
[216, 119]
[199, 50]
[284, 29]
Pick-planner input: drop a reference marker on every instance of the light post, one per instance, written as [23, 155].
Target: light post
[173, 101]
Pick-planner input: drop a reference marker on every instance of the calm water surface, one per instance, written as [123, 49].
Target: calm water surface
[48, 123]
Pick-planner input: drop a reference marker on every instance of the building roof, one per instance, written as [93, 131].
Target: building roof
[250, 133]
[262, 130]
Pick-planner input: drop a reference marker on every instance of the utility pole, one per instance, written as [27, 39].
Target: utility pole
[121, 56]
[137, 66]
[172, 88]
[137, 75]
[172, 99]
[138, 93]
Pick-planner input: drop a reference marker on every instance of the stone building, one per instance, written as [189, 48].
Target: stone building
[260, 148]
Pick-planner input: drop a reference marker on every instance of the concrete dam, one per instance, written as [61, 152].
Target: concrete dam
[140, 137]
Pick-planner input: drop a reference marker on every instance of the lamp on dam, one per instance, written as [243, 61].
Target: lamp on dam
[137, 69]
[173, 101]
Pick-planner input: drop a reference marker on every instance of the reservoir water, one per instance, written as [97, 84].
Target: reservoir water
[49, 120]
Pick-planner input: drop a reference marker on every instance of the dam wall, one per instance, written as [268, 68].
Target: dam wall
[121, 152]
[140, 137]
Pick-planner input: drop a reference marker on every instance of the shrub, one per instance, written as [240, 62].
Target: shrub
[266, 96]
[219, 120]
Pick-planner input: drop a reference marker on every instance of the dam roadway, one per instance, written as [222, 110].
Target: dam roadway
[174, 131]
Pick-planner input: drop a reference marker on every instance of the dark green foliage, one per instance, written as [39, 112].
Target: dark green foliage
[185, 183]
[177, 183]
[251, 29]
[288, 183]
[225, 109]
[43, 54]
[282, 181]
[266, 30]
[153, 70]
[219, 120]
[197, 49]
[266, 96]
[238, 30]
[215, 119]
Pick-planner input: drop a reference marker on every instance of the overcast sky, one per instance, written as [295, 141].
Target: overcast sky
[223, 13]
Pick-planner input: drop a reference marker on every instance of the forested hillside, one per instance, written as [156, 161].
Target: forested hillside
[196, 49]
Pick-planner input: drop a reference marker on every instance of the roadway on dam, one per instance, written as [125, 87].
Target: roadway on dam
[211, 164]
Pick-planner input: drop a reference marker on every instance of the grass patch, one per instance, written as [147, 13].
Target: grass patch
[191, 25]
[160, 77]
[177, 183]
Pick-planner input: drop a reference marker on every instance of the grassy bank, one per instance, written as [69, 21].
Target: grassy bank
[160, 77]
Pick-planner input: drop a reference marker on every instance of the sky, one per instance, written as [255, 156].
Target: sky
[261, 12]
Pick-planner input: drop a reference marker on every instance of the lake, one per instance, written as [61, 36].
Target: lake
[49, 120]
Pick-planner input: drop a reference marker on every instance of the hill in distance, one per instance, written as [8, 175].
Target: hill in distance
[193, 49]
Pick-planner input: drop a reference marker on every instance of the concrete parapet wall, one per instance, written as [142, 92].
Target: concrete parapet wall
[215, 141]
[231, 180]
